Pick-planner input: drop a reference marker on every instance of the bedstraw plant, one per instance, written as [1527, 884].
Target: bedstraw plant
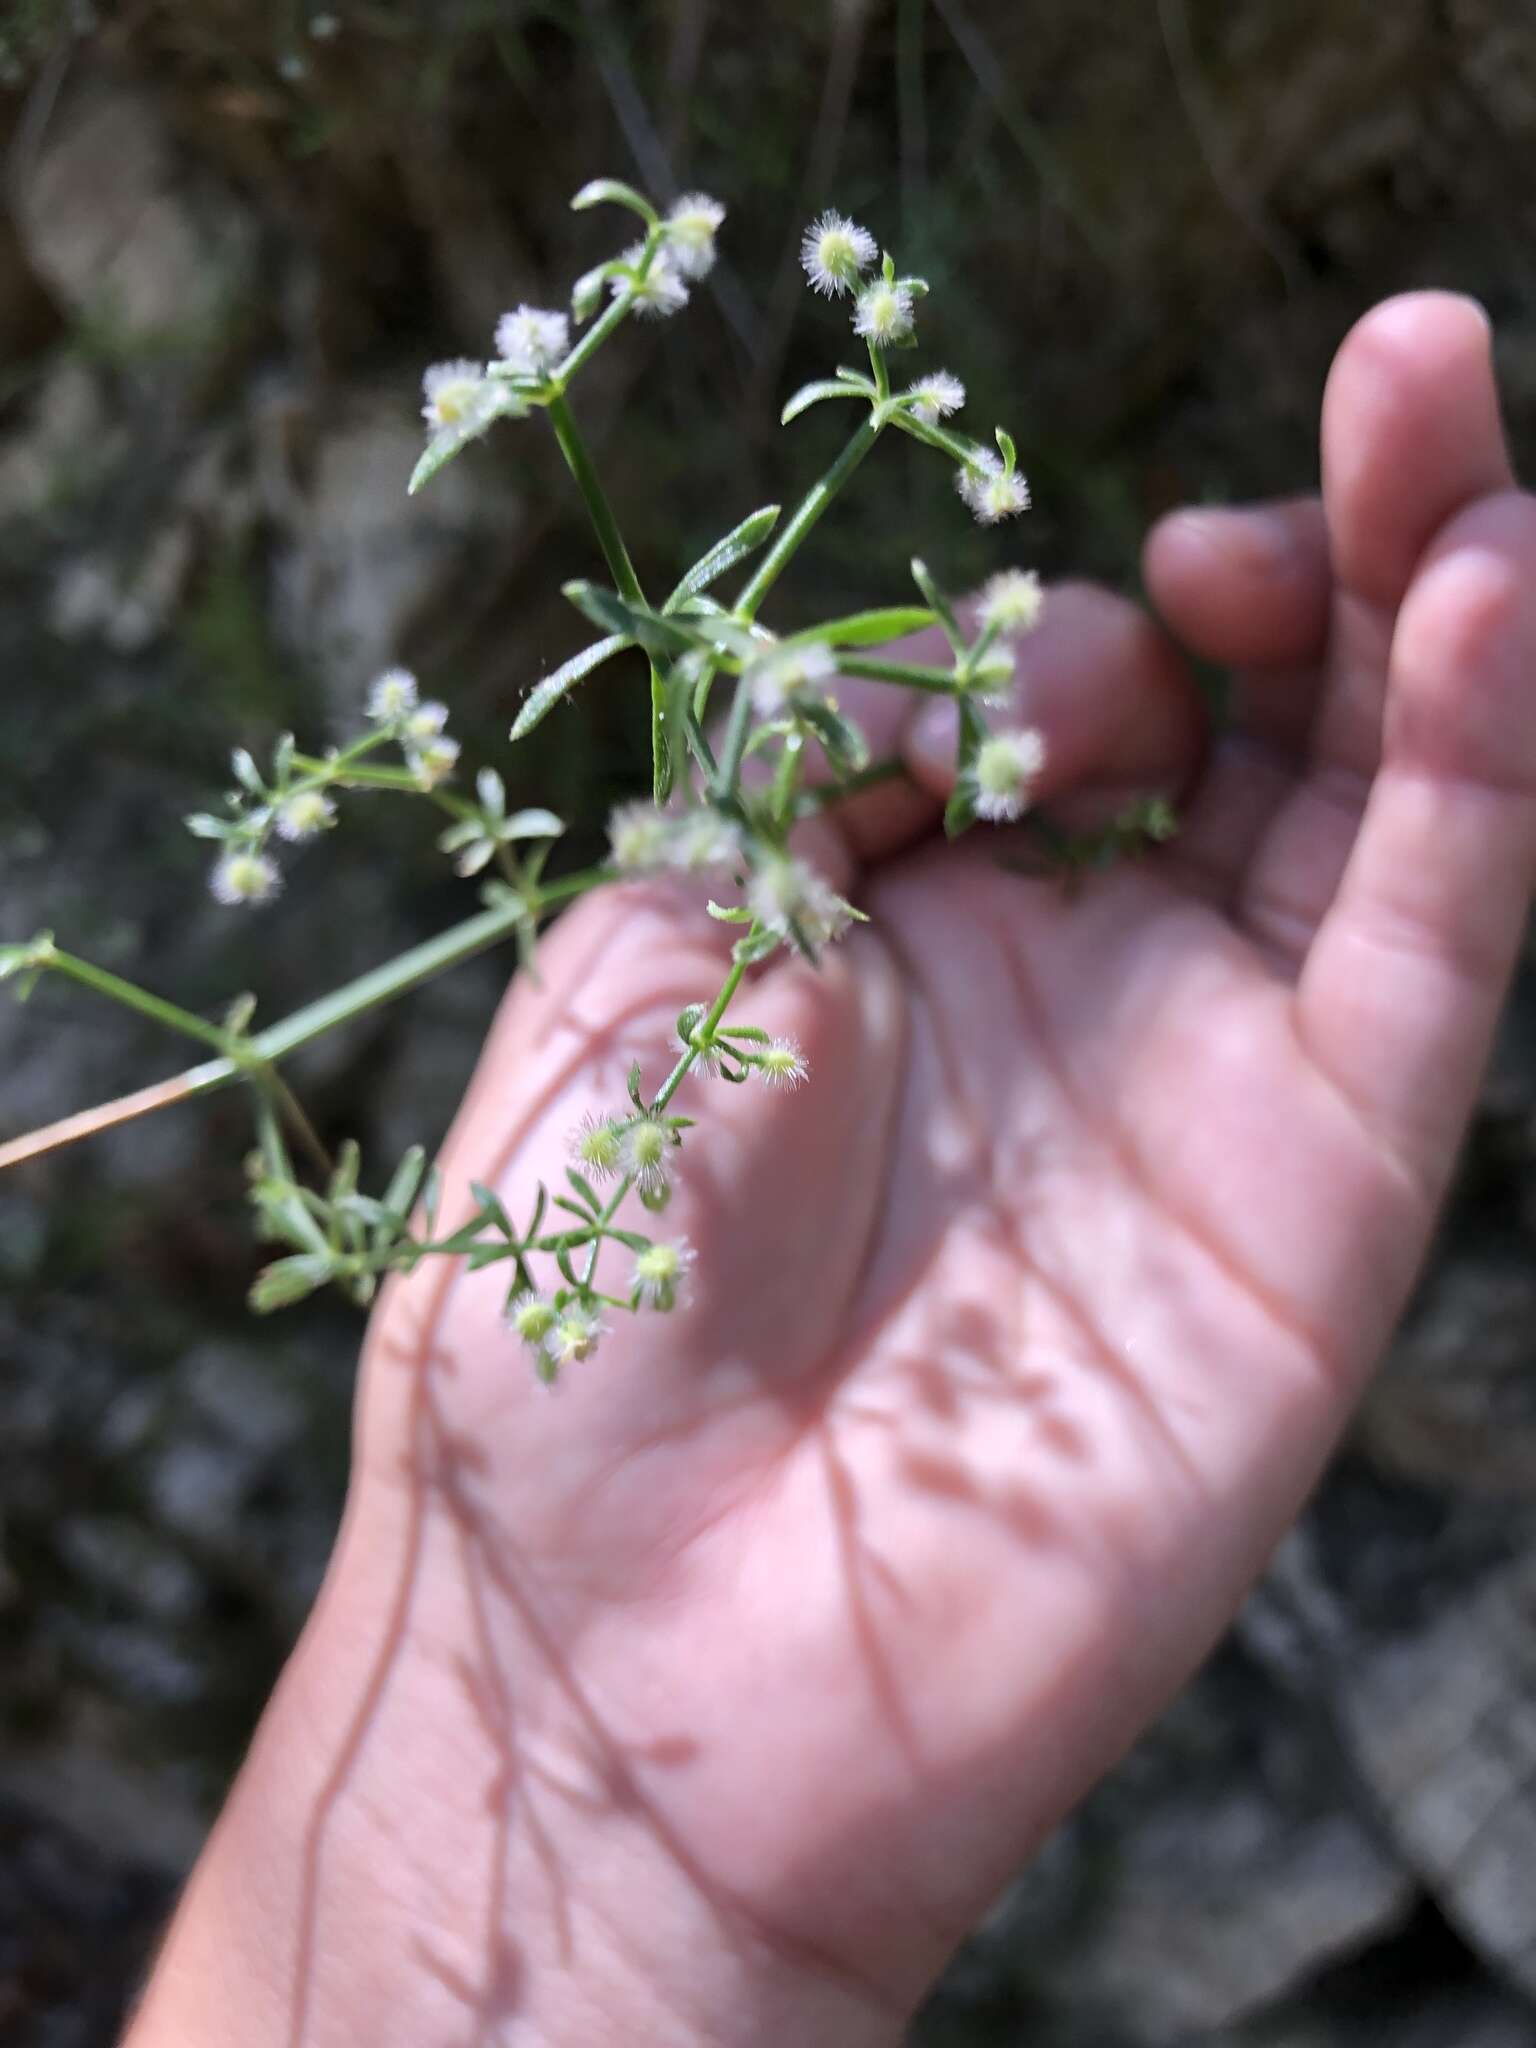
[739, 715]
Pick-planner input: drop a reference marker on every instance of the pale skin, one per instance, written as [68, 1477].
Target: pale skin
[713, 1698]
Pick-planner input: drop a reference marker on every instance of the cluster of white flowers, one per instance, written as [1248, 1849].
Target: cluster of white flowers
[394, 704]
[638, 1148]
[786, 894]
[556, 1336]
[645, 841]
[836, 253]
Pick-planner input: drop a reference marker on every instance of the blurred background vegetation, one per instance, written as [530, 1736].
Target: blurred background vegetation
[231, 233]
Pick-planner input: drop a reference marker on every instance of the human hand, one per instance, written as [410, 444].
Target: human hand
[715, 1697]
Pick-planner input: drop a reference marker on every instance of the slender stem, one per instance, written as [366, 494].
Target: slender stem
[134, 998]
[380, 985]
[878, 364]
[599, 511]
[954, 445]
[616, 555]
[717, 1010]
[612, 317]
[806, 514]
[448, 949]
[664, 1095]
[778, 558]
[914, 675]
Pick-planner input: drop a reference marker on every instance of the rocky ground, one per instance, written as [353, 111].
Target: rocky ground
[229, 237]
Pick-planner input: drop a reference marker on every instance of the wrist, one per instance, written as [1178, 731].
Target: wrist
[429, 1829]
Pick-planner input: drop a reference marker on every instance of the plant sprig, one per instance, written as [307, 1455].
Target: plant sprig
[725, 798]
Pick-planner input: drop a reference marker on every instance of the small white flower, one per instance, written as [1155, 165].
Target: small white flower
[533, 1319]
[576, 1335]
[454, 394]
[644, 1146]
[701, 839]
[1011, 601]
[434, 761]
[991, 491]
[531, 340]
[302, 814]
[1004, 771]
[424, 722]
[835, 252]
[992, 678]
[937, 397]
[784, 673]
[660, 292]
[639, 839]
[780, 1063]
[661, 1272]
[245, 876]
[691, 226]
[391, 696]
[786, 890]
[883, 314]
[597, 1146]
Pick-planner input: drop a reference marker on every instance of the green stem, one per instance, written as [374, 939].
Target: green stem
[664, 1095]
[599, 511]
[954, 445]
[134, 998]
[703, 1030]
[772, 566]
[913, 675]
[806, 514]
[616, 555]
[612, 317]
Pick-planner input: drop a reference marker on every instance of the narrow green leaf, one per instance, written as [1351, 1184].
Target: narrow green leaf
[866, 629]
[636, 622]
[817, 393]
[545, 695]
[614, 192]
[203, 825]
[405, 1181]
[585, 1190]
[663, 765]
[959, 812]
[844, 743]
[439, 450]
[288, 1280]
[491, 1205]
[730, 549]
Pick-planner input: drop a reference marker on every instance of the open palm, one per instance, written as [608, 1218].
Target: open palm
[1019, 1333]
